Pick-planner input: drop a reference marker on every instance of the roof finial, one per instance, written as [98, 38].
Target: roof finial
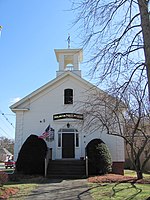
[0, 30]
[68, 39]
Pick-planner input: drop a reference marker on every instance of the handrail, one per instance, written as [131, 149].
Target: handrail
[47, 161]
[86, 166]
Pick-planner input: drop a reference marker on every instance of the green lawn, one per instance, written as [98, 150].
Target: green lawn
[24, 190]
[25, 186]
[104, 191]
[133, 173]
[121, 191]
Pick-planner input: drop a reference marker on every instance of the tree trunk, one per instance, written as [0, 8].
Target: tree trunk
[138, 168]
[139, 174]
[145, 24]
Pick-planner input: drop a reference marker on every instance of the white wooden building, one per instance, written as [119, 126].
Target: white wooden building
[56, 103]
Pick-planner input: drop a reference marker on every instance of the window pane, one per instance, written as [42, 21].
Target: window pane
[68, 96]
[59, 140]
[77, 140]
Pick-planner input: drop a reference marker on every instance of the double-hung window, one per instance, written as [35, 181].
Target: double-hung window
[68, 96]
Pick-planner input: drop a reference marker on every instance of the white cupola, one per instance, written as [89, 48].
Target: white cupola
[69, 59]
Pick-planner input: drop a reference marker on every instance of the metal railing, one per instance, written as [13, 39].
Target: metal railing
[47, 161]
[86, 166]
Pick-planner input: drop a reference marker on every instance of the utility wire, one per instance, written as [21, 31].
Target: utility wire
[6, 124]
[6, 119]
[6, 133]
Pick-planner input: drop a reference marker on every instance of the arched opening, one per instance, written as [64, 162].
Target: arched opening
[69, 67]
[99, 157]
[68, 62]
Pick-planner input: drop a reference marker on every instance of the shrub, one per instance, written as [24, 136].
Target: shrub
[99, 157]
[105, 161]
[32, 156]
[3, 178]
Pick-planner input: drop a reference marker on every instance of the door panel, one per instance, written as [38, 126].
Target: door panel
[68, 147]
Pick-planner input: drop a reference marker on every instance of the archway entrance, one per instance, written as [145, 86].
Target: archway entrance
[99, 157]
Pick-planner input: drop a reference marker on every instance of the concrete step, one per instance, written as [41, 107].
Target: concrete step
[66, 168]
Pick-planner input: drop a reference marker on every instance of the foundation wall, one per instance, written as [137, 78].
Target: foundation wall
[118, 168]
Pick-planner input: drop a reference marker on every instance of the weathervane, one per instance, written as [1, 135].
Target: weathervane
[0, 29]
[68, 39]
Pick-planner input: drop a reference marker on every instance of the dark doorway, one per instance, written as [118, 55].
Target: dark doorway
[68, 147]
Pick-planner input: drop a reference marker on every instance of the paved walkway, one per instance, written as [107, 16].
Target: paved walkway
[61, 190]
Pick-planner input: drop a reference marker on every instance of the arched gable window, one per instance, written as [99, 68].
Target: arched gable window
[68, 96]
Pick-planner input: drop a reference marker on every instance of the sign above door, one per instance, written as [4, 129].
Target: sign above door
[68, 116]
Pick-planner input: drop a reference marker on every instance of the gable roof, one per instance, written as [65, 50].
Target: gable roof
[49, 84]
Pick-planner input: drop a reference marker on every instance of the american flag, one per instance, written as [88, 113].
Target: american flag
[46, 132]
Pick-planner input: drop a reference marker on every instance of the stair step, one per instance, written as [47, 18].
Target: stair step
[72, 176]
[66, 168]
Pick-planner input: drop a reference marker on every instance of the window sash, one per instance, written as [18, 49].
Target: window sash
[68, 96]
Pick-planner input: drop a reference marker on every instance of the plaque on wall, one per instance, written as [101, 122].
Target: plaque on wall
[68, 116]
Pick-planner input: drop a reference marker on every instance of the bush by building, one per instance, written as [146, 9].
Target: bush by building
[32, 156]
[99, 158]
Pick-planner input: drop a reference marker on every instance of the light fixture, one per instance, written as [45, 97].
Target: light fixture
[68, 125]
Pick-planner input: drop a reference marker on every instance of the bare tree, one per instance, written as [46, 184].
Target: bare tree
[127, 119]
[116, 34]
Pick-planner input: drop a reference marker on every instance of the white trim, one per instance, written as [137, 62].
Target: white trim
[63, 51]
[20, 109]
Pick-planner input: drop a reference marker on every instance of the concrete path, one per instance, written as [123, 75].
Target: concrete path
[58, 189]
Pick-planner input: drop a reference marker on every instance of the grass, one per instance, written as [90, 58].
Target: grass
[133, 173]
[25, 186]
[24, 190]
[104, 191]
[121, 191]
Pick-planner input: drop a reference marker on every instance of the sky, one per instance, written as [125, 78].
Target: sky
[31, 30]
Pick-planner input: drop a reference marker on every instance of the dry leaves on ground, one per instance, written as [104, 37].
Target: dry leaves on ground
[5, 193]
[112, 178]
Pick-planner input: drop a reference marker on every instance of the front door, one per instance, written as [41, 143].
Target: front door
[68, 147]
